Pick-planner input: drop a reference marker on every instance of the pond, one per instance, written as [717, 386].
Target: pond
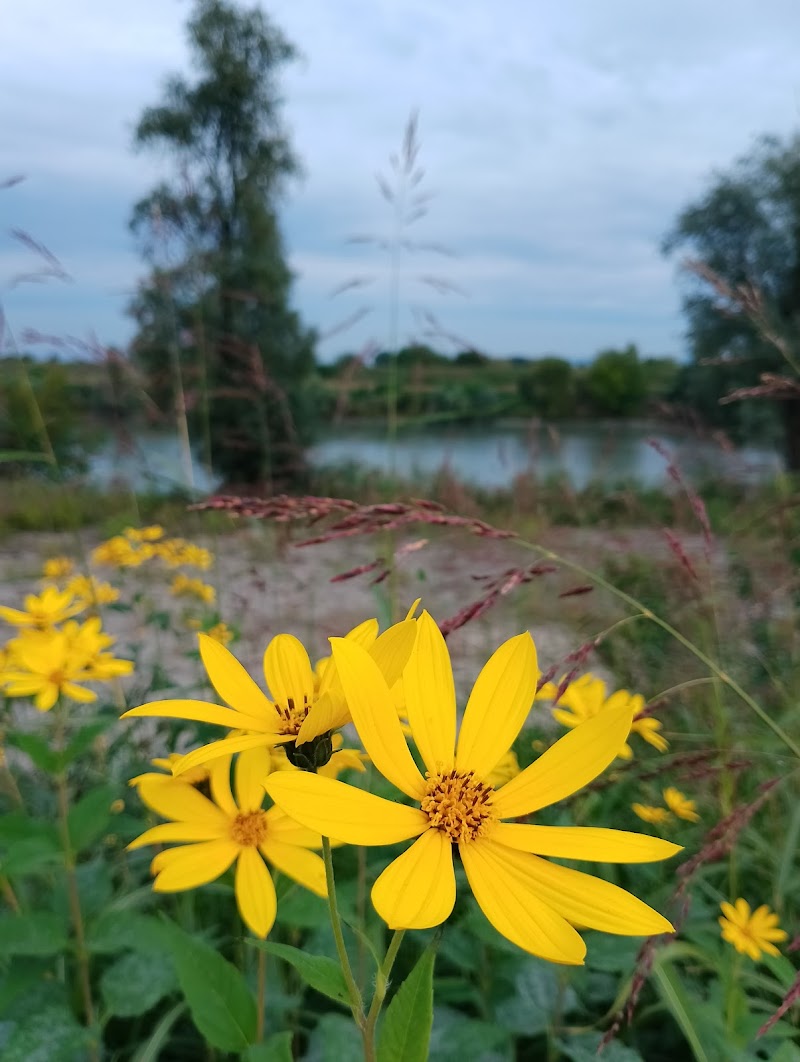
[581, 452]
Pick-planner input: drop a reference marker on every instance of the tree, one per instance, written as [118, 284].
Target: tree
[216, 334]
[742, 303]
[615, 383]
[547, 389]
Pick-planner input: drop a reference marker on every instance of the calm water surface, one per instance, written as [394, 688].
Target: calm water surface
[583, 453]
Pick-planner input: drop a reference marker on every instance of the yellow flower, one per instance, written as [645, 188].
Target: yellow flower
[656, 816]
[44, 612]
[93, 591]
[504, 770]
[144, 534]
[58, 567]
[120, 552]
[750, 933]
[221, 633]
[177, 551]
[679, 805]
[183, 586]
[45, 666]
[306, 704]
[586, 697]
[533, 902]
[195, 776]
[219, 832]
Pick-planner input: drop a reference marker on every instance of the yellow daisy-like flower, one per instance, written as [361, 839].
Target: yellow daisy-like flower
[533, 902]
[305, 705]
[183, 586]
[751, 934]
[195, 776]
[586, 697]
[177, 551]
[144, 534]
[43, 611]
[680, 805]
[221, 633]
[93, 591]
[216, 833]
[45, 666]
[120, 552]
[655, 816]
[58, 567]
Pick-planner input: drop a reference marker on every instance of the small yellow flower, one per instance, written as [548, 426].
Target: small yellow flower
[144, 534]
[45, 667]
[120, 552]
[93, 591]
[751, 934]
[45, 611]
[680, 805]
[531, 901]
[177, 551]
[183, 586]
[655, 816]
[225, 830]
[58, 568]
[504, 770]
[586, 697]
[221, 633]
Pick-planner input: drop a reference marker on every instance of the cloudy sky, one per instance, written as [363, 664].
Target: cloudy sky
[560, 138]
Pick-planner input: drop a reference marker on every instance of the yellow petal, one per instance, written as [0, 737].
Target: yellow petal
[498, 705]
[328, 712]
[281, 828]
[392, 650]
[232, 682]
[192, 865]
[179, 801]
[78, 693]
[592, 902]
[584, 842]
[219, 778]
[203, 712]
[224, 747]
[287, 671]
[296, 863]
[364, 634]
[255, 892]
[418, 890]
[575, 760]
[179, 831]
[343, 812]
[511, 901]
[375, 717]
[252, 768]
[431, 697]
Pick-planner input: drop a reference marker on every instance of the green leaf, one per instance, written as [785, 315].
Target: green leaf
[51, 1035]
[587, 1049]
[82, 740]
[685, 1012]
[406, 1030]
[32, 934]
[135, 983]
[457, 1038]
[318, 971]
[222, 1006]
[89, 818]
[37, 748]
[301, 909]
[150, 1051]
[538, 989]
[335, 1039]
[116, 931]
[29, 854]
[277, 1048]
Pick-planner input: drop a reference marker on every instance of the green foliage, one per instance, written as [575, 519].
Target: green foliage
[319, 972]
[549, 389]
[216, 333]
[406, 1030]
[614, 383]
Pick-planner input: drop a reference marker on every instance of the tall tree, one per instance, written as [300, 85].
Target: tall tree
[742, 302]
[216, 334]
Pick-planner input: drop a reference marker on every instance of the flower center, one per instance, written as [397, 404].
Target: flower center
[292, 717]
[249, 828]
[458, 804]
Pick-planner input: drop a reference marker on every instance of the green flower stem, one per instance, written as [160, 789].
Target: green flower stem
[381, 986]
[356, 1002]
[9, 895]
[632, 602]
[261, 992]
[73, 895]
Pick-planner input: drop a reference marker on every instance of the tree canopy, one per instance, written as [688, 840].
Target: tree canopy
[216, 334]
